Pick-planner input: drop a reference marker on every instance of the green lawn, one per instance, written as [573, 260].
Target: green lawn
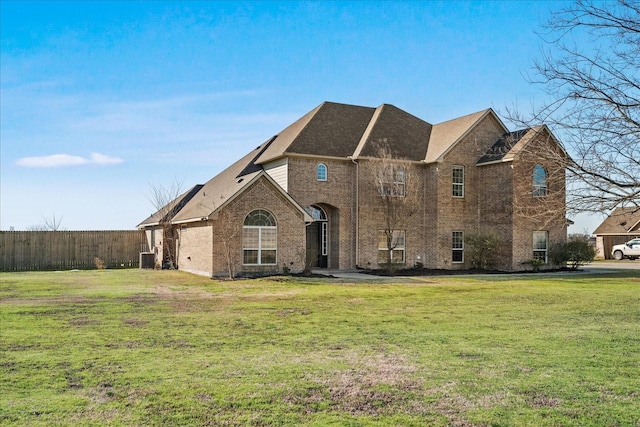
[132, 347]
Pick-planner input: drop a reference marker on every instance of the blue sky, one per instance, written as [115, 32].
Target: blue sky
[99, 100]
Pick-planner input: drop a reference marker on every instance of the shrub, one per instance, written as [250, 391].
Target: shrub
[482, 249]
[99, 263]
[535, 263]
[576, 252]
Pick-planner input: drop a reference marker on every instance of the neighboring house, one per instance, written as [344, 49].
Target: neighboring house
[309, 196]
[621, 226]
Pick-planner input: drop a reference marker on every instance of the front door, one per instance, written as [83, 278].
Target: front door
[317, 238]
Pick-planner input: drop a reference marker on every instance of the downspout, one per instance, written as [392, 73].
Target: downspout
[357, 211]
[425, 178]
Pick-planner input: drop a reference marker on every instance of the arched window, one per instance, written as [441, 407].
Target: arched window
[316, 212]
[539, 181]
[321, 172]
[259, 238]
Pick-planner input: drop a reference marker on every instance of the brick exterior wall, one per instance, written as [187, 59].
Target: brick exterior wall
[490, 193]
[496, 208]
[228, 227]
[195, 248]
[537, 213]
[463, 213]
[372, 216]
[335, 196]
[209, 247]
[494, 198]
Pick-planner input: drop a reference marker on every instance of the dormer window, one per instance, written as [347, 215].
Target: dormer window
[321, 172]
[539, 181]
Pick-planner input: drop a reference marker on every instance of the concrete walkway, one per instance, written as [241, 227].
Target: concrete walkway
[347, 274]
[594, 268]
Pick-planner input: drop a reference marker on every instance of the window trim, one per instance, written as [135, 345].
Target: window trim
[455, 185]
[260, 247]
[457, 249]
[325, 172]
[395, 186]
[384, 249]
[540, 182]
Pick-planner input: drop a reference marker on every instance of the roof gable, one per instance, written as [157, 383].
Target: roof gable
[624, 220]
[446, 135]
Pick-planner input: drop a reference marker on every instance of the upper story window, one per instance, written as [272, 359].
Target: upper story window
[321, 172]
[394, 183]
[539, 181]
[457, 177]
[259, 238]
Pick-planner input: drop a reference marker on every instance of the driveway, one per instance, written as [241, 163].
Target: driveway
[595, 267]
[614, 265]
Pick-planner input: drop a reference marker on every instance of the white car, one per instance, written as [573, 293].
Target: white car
[630, 250]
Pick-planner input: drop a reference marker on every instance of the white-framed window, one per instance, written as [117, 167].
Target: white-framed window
[393, 183]
[457, 246]
[457, 179]
[321, 172]
[397, 245]
[540, 245]
[539, 181]
[259, 238]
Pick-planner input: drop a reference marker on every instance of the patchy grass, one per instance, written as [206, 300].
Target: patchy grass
[132, 347]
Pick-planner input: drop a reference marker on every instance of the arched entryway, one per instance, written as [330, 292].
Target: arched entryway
[318, 238]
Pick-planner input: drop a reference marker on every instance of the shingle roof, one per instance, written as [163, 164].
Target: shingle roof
[334, 130]
[501, 148]
[406, 136]
[444, 135]
[172, 208]
[218, 190]
[621, 221]
[330, 129]
[344, 131]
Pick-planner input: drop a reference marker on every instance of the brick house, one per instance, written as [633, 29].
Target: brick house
[622, 225]
[309, 196]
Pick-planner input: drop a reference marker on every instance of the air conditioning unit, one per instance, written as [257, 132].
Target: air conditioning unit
[147, 260]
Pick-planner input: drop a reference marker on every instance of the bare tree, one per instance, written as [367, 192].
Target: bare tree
[166, 201]
[228, 229]
[594, 105]
[539, 188]
[50, 223]
[396, 198]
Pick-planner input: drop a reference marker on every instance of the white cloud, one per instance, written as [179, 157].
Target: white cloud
[102, 159]
[62, 160]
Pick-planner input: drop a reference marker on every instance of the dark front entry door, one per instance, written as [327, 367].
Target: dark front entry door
[317, 244]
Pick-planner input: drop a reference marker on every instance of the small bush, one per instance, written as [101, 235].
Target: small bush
[575, 253]
[482, 249]
[535, 263]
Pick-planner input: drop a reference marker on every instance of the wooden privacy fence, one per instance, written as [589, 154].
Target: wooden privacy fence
[65, 250]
